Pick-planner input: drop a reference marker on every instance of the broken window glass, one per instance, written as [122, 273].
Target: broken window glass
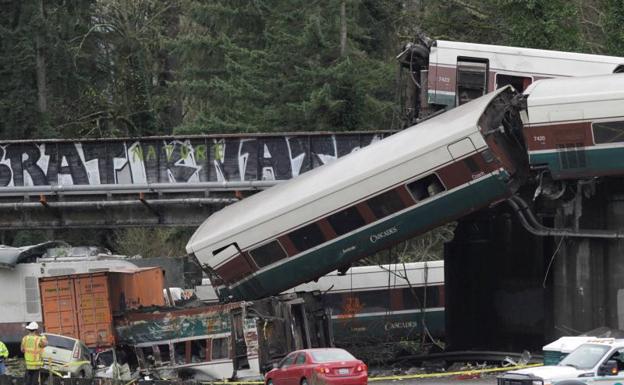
[519, 83]
[105, 359]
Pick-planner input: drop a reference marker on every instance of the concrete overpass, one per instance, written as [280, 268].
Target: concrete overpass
[153, 181]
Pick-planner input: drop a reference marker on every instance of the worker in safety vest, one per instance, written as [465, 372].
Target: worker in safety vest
[4, 354]
[32, 347]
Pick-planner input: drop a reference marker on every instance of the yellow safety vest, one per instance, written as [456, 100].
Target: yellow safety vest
[33, 351]
[4, 352]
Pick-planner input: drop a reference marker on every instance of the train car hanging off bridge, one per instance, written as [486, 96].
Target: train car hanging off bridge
[399, 187]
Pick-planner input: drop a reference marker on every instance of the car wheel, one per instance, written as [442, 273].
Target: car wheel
[304, 381]
[81, 374]
[269, 382]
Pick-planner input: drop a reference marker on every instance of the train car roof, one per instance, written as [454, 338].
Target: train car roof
[438, 131]
[574, 90]
[375, 277]
[528, 52]
[578, 91]
[526, 60]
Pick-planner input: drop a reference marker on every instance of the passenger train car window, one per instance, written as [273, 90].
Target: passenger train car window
[385, 204]
[346, 220]
[472, 165]
[307, 237]
[179, 352]
[471, 79]
[415, 297]
[519, 83]
[165, 354]
[426, 187]
[220, 348]
[198, 350]
[487, 156]
[267, 254]
[608, 132]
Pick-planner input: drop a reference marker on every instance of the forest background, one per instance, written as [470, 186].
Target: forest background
[119, 68]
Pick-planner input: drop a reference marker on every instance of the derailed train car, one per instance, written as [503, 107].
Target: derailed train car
[404, 185]
[574, 127]
[380, 312]
[235, 340]
[451, 73]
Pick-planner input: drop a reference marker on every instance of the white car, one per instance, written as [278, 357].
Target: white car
[67, 356]
[598, 361]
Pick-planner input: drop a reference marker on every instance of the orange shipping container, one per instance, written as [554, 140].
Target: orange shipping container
[133, 289]
[82, 305]
[78, 306]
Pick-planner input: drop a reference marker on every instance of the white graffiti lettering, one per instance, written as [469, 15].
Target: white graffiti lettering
[179, 160]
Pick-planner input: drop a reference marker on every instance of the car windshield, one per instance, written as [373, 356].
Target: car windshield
[60, 342]
[105, 358]
[585, 356]
[331, 355]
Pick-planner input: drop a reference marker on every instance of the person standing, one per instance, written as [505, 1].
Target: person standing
[32, 347]
[4, 354]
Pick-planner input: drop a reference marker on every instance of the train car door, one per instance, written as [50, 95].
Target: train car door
[471, 79]
[571, 150]
[299, 324]
[240, 360]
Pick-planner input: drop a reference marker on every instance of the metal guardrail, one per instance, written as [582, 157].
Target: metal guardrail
[153, 181]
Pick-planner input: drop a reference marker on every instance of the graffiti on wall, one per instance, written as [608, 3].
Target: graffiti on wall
[179, 160]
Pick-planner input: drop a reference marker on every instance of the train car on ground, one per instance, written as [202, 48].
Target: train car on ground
[379, 312]
[21, 300]
[397, 306]
[399, 187]
[222, 341]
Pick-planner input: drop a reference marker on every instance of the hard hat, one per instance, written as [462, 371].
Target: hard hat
[32, 326]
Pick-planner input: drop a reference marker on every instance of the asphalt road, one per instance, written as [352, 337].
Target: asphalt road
[489, 380]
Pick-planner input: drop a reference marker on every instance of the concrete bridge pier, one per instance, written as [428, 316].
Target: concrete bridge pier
[588, 274]
[507, 289]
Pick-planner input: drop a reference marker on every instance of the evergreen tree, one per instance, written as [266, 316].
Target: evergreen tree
[277, 66]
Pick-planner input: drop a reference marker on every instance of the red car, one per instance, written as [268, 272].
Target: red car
[318, 367]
